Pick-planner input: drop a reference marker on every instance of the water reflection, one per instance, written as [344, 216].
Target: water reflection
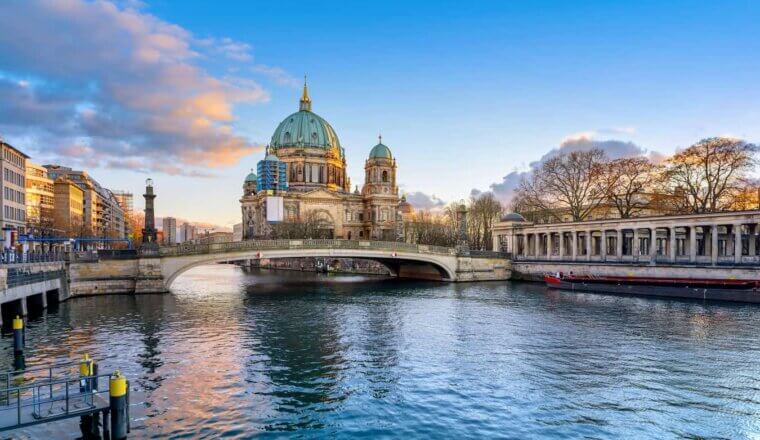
[232, 354]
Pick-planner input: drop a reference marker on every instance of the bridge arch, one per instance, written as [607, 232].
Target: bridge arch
[172, 266]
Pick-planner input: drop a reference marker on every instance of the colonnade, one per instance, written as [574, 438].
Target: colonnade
[732, 238]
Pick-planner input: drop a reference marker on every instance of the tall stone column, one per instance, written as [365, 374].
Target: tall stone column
[714, 244]
[635, 248]
[588, 245]
[603, 246]
[692, 243]
[149, 232]
[463, 245]
[753, 240]
[561, 245]
[652, 243]
[619, 245]
[672, 244]
[537, 243]
[574, 242]
[737, 243]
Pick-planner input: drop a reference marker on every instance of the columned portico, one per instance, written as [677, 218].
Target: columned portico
[726, 238]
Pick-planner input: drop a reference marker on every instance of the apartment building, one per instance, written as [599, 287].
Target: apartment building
[13, 213]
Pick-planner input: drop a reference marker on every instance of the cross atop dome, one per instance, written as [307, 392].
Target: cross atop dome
[305, 99]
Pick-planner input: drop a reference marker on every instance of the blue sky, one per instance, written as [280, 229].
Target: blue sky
[463, 93]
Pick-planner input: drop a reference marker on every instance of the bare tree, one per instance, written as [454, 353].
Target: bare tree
[483, 211]
[428, 228]
[627, 181]
[310, 226]
[708, 174]
[570, 182]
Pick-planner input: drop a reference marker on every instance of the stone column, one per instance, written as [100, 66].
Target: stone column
[603, 247]
[537, 243]
[561, 245]
[635, 247]
[588, 245]
[714, 244]
[574, 242]
[549, 248]
[753, 240]
[619, 245]
[692, 244]
[652, 244]
[672, 248]
[737, 243]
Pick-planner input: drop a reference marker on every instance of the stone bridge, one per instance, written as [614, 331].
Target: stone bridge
[155, 271]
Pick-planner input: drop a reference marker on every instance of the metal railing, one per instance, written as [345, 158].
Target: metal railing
[263, 245]
[53, 399]
[13, 257]
[24, 276]
[48, 372]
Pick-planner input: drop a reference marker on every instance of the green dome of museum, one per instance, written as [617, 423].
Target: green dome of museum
[305, 129]
[380, 151]
[251, 177]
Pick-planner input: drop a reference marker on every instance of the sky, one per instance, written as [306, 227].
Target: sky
[469, 96]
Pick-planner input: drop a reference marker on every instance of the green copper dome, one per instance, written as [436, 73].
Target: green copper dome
[251, 177]
[380, 151]
[305, 129]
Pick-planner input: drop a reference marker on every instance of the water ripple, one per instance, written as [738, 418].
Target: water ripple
[279, 355]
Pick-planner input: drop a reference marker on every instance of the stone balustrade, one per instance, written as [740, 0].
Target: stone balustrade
[726, 238]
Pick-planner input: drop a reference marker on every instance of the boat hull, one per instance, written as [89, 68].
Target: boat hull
[624, 288]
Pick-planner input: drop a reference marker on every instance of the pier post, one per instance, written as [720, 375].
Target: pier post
[88, 424]
[18, 335]
[118, 390]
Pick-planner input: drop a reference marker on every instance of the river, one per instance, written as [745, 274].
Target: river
[231, 354]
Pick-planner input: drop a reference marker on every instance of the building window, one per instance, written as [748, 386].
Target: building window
[385, 176]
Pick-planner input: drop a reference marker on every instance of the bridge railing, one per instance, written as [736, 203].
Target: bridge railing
[283, 244]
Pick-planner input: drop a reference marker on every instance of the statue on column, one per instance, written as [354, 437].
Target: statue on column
[463, 245]
[149, 232]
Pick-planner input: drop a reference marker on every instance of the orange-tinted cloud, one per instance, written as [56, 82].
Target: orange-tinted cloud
[123, 88]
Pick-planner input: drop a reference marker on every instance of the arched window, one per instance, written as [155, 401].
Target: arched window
[385, 176]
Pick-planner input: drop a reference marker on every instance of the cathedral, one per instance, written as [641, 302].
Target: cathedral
[303, 177]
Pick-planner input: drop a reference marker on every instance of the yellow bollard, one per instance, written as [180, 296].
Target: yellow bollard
[118, 390]
[18, 335]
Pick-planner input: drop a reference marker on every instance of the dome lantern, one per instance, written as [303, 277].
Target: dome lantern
[305, 99]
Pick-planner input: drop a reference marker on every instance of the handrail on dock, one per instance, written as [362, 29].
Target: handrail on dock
[56, 397]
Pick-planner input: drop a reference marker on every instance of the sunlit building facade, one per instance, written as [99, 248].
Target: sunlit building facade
[40, 201]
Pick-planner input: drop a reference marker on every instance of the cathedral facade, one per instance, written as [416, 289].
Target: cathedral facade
[316, 188]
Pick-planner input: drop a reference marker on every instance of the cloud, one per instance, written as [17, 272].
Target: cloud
[277, 75]
[110, 85]
[421, 200]
[584, 141]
